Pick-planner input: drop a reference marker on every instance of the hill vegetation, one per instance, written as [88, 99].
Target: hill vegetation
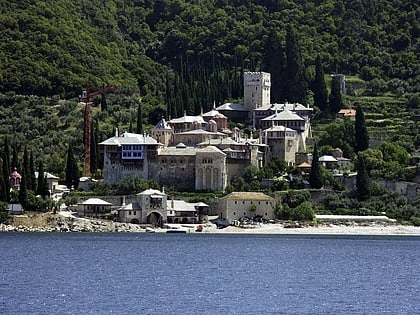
[170, 56]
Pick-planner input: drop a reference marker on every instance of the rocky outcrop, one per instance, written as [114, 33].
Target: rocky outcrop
[72, 224]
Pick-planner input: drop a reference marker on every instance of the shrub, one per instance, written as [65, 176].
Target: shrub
[303, 212]
[415, 220]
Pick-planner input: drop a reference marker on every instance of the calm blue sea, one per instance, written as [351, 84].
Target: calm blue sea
[77, 273]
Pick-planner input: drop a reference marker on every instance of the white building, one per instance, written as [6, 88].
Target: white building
[257, 87]
[245, 204]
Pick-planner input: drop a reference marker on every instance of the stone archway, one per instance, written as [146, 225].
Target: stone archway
[154, 218]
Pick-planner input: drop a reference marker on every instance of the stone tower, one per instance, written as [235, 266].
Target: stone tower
[163, 133]
[256, 89]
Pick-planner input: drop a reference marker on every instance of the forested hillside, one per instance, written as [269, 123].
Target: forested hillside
[54, 47]
[177, 55]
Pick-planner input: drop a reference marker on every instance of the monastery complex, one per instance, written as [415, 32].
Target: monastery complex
[200, 153]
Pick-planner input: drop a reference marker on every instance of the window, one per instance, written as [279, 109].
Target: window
[134, 212]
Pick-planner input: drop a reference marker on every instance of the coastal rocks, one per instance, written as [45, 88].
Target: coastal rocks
[74, 224]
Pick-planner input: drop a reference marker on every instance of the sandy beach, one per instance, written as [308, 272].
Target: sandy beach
[322, 230]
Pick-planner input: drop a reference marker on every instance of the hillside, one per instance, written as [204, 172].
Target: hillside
[176, 55]
[54, 47]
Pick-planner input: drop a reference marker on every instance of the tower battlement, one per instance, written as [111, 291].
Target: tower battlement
[257, 87]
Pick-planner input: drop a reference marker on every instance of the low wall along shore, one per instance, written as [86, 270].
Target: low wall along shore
[65, 222]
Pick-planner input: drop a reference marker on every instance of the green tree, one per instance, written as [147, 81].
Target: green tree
[339, 134]
[3, 194]
[23, 192]
[4, 213]
[26, 168]
[320, 88]
[31, 175]
[275, 64]
[303, 212]
[296, 74]
[104, 104]
[6, 169]
[94, 154]
[134, 184]
[42, 186]
[335, 100]
[362, 180]
[360, 131]
[315, 179]
[393, 152]
[139, 126]
[72, 170]
[373, 159]
[15, 159]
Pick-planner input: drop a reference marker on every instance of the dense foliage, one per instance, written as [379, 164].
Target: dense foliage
[170, 56]
[54, 47]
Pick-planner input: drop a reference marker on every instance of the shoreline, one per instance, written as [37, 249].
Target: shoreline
[63, 222]
[264, 229]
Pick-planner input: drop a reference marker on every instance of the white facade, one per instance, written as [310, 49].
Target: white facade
[245, 204]
[257, 87]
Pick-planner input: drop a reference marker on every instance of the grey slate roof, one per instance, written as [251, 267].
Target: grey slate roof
[129, 138]
[187, 119]
[188, 151]
[232, 107]
[285, 115]
[163, 124]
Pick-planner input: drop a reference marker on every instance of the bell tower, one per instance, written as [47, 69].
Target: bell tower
[257, 87]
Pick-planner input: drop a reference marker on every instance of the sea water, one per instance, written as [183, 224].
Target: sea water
[110, 273]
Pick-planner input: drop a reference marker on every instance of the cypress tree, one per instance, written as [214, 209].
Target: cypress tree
[296, 76]
[320, 88]
[274, 63]
[360, 131]
[94, 154]
[23, 192]
[25, 168]
[315, 176]
[336, 102]
[39, 186]
[139, 127]
[72, 170]
[104, 105]
[3, 195]
[362, 179]
[6, 169]
[31, 175]
[15, 159]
